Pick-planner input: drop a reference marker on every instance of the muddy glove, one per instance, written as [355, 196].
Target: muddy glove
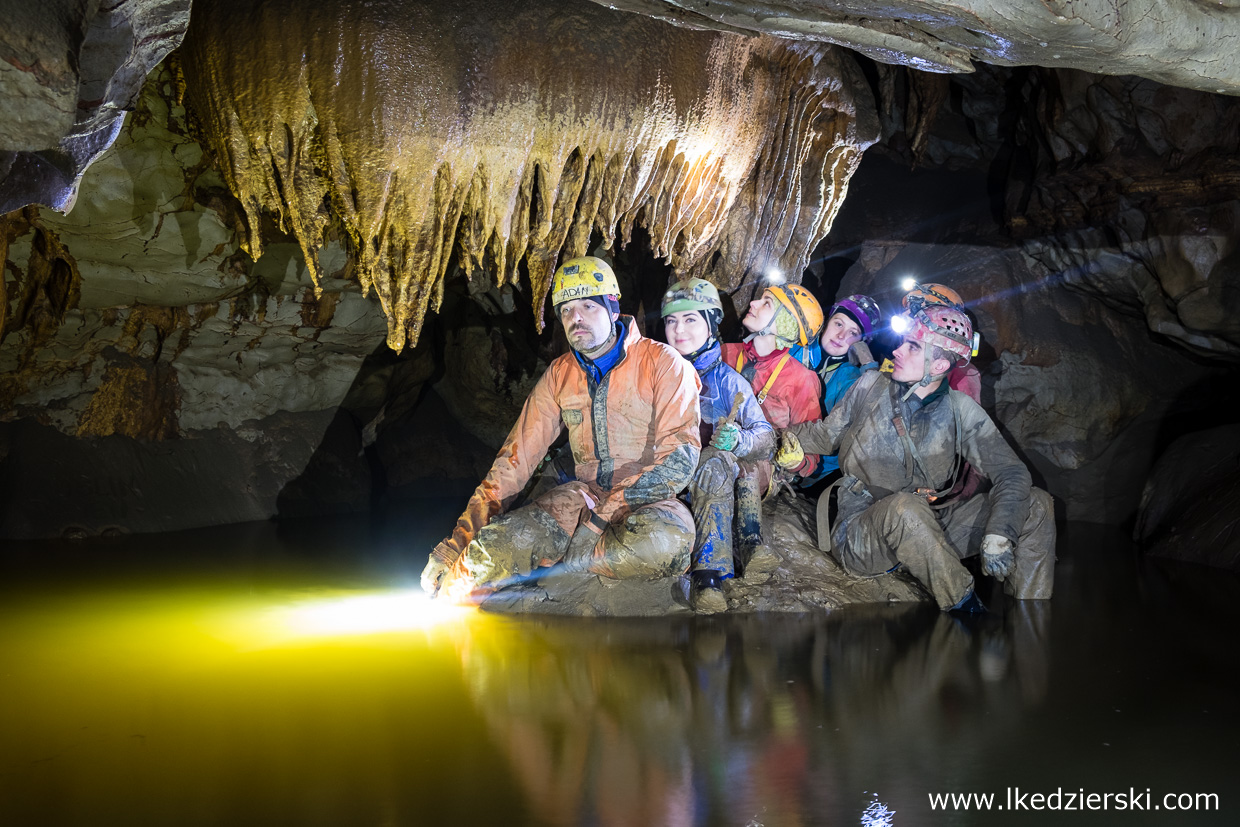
[436, 567]
[581, 547]
[998, 557]
[790, 454]
[859, 355]
[726, 437]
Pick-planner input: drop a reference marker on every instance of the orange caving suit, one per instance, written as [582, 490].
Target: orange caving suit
[635, 442]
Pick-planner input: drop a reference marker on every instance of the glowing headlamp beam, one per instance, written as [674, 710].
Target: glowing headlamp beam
[367, 614]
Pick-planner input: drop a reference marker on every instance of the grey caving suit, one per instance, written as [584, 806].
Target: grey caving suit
[882, 521]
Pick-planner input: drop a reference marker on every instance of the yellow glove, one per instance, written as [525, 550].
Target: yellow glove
[790, 454]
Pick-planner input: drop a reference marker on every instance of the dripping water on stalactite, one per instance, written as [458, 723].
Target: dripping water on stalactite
[487, 134]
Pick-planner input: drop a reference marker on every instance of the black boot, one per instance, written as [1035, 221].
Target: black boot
[970, 604]
[706, 594]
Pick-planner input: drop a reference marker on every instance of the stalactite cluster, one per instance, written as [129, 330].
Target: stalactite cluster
[490, 134]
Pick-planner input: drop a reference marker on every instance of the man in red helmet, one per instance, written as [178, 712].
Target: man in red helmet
[902, 441]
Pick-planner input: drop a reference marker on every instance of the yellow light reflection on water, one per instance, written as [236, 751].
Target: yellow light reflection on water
[240, 702]
[367, 613]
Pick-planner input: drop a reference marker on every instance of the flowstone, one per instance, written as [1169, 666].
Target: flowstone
[491, 134]
[807, 580]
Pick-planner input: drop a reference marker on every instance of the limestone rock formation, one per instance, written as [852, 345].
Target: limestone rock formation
[1052, 213]
[69, 71]
[1183, 43]
[1134, 197]
[151, 378]
[496, 136]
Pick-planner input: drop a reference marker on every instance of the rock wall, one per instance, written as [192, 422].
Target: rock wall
[1102, 309]
[153, 378]
[69, 71]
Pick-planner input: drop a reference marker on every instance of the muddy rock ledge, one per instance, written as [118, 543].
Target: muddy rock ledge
[806, 581]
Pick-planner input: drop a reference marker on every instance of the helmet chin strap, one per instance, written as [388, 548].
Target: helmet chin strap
[927, 378]
[768, 330]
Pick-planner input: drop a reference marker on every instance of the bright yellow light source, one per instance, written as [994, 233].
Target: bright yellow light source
[369, 613]
[773, 276]
[908, 284]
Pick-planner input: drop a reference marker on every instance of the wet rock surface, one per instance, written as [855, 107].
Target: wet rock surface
[69, 71]
[1190, 509]
[1147, 38]
[806, 580]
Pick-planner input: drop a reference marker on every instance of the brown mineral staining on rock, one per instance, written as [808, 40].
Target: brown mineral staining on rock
[493, 134]
[48, 287]
[133, 401]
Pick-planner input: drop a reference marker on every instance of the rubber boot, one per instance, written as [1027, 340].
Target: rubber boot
[970, 604]
[706, 594]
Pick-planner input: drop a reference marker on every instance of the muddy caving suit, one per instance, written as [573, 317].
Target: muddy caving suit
[882, 521]
[635, 443]
[725, 490]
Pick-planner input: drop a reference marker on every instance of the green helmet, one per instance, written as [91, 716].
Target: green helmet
[691, 294]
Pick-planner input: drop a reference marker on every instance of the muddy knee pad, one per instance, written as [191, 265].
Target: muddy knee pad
[654, 541]
[1034, 575]
[715, 475]
[510, 547]
[564, 505]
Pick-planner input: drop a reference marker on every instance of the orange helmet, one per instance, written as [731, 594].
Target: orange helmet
[931, 293]
[803, 307]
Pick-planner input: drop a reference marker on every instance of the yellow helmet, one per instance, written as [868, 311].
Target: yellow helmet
[804, 308]
[582, 278]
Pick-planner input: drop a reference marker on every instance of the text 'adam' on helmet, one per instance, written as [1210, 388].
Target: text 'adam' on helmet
[691, 294]
[864, 310]
[582, 278]
[948, 328]
[804, 308]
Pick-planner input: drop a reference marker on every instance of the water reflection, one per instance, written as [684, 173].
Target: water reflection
[238, 677]
[746, 721]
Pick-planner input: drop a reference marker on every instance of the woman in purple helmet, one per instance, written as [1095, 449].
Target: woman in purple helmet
[850, 324]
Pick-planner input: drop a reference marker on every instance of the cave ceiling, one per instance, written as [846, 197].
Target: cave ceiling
[495, 139]
[1190, 43]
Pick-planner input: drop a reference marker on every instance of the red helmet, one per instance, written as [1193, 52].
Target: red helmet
[941, 325]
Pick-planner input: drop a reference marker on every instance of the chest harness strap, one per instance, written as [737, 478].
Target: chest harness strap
[740, 365]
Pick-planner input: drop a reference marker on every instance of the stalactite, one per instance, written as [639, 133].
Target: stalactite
[492, 135]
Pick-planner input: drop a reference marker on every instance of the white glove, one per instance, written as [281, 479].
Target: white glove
[998, 556]
[432, 575]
